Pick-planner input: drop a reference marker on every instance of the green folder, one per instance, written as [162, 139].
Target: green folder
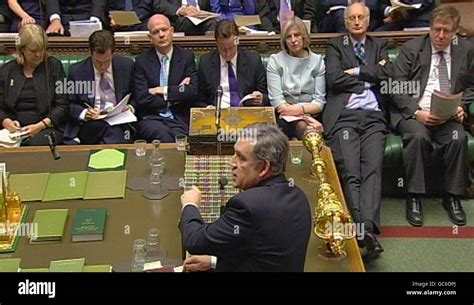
[97, 268]
[102, 185]
[67, 265]
[30, 187]
[107, 159]
[64, 186]
[50, 224]
[35, 270]
[10, 264]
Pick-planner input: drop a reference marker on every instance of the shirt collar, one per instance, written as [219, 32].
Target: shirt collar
[233, 60]
[107, 73]
[160, 56]
[447, 50]
[354, 42]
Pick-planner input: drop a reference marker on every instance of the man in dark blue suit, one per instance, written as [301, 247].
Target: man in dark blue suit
[166, 84]
[400, 19]
[6, 17]
[143, 9]
[108, 78]
[266, 227]
[247, 68]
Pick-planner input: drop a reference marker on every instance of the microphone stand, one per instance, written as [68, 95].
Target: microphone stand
[219, 94]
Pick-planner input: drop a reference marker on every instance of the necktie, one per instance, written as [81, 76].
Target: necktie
[233, 87]
[360, 53]
[444, 85]
[128, 5]
[192, 3]
[164, 83]
[285, 13]
[106, 93]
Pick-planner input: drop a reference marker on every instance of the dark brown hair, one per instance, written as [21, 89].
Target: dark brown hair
[100, 41]
[225, 29]
[445, 12]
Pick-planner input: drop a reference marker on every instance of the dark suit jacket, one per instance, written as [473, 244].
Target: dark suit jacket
[76, 7]
[123, 71]
[413, 64]
[147, 75]
[11, 84]
[340, 56]
[143, 8]
[303, 9]
[251, 76]
[169, 7]
[265, 228]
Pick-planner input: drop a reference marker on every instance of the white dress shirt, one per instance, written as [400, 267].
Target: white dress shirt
[225, 79]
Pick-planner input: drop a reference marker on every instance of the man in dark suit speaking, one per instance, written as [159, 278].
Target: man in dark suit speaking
[354, 120]
[444, 62]
[239, 72]
[266, 227]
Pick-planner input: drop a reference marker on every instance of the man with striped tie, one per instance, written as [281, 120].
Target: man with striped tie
[438, 61]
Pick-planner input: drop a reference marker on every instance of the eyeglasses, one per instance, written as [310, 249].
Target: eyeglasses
[438, 31]
[355, 17]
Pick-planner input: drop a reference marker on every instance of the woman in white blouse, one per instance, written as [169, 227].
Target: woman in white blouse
[296, 81]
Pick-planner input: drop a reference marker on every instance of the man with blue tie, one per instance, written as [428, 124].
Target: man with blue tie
[111, 78]
[444, 62]
[178, 10]
[303, 9]
[166, 84]
[354, 120]
[239, 72]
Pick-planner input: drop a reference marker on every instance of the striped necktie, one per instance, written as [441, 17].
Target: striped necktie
[444, 85]
[360, 53]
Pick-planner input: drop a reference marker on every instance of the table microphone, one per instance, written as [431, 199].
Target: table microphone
[219, 93]
[52, 144]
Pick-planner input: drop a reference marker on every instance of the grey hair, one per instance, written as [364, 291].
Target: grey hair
[346, 10]
[269, 143]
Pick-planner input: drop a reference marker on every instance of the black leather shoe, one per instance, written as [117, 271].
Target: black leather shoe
[374, 248]
[455, 210]
[414, 211]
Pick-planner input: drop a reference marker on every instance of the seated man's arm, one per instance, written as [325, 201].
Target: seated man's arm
[261, 82]
[166, 8]
[382, 70]
[205, 96]
[143, 99]
[187, 89]
[402, 73]
[337, 80]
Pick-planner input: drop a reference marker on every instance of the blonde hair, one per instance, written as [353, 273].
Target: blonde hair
[31, 35]
[301, 27]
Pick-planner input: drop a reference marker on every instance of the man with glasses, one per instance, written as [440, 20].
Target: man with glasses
[444, 62]
[166, 83]
[354, 120]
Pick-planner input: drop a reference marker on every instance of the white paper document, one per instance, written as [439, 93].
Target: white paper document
[201, 17]
[445, 105]
[83, 28]
[397, 4]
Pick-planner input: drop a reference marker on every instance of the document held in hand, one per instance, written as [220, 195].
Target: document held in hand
[398, 5]
[120, 114]
[445, 105]
[125, 18]
[201, 16]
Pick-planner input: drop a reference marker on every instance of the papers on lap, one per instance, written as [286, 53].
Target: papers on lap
[445, 105]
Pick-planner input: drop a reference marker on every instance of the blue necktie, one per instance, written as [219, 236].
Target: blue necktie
[360, 53]
[444, 85]
[128, 5]
[233, 86]
[164, 83]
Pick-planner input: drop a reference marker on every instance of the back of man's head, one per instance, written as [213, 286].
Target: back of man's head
[225, 29]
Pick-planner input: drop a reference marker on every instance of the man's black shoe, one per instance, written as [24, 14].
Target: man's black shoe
[455, 211]
[374, 248]
[414, 211]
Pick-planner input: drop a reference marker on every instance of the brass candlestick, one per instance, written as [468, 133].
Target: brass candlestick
[332, 223]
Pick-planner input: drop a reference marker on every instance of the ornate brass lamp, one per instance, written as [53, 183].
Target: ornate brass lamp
[12, 212]
[332, 223]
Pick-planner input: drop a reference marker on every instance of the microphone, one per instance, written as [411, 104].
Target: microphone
[52, 144]
[222, 183]
[219, 93]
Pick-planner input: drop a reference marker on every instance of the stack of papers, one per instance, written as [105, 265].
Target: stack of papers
[8, 139]
[120, 114]
[83, 28]
[201, 17]
[398, 5]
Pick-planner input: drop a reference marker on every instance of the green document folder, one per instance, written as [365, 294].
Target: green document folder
[107, 159]
[64, 186]
[50, 225]
[97, 268]
[102, 185]
[67, 265]
[30, 187]
[10, 264]
[34, 270]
